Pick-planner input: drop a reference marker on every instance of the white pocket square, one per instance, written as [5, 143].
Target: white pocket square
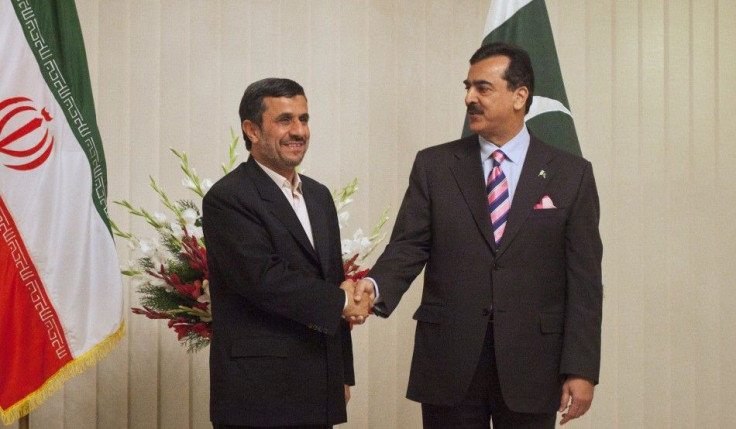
[545, 203]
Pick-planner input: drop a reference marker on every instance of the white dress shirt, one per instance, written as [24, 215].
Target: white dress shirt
[293, 193]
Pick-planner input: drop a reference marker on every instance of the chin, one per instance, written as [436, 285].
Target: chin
[476, 129]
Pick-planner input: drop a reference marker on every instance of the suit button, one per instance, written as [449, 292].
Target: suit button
[486, 312]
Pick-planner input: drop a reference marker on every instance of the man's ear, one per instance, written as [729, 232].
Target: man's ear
[522, 94]
[252, 130]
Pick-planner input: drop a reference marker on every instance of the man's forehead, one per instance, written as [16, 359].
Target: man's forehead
[493, 65]
[297, 104]
[487, 70]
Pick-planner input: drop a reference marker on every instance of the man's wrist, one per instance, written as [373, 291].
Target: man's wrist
[375, 288]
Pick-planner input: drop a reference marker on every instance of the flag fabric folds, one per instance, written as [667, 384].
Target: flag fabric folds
[61, 298]
[525, 23]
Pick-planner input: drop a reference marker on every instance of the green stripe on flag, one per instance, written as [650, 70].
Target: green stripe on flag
[530, 30]
[53, 33]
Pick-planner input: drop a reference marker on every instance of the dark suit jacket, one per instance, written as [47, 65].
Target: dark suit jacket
[542, 285]
[280, 351]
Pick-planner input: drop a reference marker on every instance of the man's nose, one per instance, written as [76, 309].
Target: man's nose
[470, 96]
[299, 129]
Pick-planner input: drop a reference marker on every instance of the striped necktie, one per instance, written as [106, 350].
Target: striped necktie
[499, 203]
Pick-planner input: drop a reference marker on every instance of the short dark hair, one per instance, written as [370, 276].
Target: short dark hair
[252, 105]
[519, 72]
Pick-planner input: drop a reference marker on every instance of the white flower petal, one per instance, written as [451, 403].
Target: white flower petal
[190, 216]
[188, 183]
[206, 184]
[177, 230]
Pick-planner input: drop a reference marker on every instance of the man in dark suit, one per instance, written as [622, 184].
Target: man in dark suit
[509, 324]
[281, 353]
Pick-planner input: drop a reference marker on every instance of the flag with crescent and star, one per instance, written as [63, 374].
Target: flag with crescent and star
[525, 23]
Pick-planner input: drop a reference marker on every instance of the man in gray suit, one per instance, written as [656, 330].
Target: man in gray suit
[506, 227]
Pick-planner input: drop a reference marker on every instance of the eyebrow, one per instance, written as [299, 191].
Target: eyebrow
[476, 82]
[290, 115]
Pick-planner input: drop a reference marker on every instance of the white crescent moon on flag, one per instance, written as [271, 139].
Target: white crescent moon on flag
[544, 105]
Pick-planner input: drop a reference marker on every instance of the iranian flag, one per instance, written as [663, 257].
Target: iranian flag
[525, 23]
[61, 297]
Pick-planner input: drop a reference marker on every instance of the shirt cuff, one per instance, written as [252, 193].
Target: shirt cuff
[375, 287]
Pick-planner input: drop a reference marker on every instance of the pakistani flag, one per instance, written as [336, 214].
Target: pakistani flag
[60, 287]
[525, 23]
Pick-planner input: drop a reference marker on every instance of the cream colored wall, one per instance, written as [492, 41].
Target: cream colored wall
[651, 84]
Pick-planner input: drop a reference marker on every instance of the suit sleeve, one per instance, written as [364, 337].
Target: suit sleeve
[584, 251]
[408, 250]
[236, 233]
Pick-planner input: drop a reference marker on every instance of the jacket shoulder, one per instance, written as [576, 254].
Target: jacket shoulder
[460, 147]
[236, 181]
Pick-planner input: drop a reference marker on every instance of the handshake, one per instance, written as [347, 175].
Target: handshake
[360, 296]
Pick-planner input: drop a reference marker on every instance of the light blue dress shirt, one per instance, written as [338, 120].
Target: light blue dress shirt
[515, 151]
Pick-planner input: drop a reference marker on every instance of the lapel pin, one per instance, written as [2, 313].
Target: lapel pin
[542, 174]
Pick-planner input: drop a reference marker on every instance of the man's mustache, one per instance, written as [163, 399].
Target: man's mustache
[474, 109]
[296, 139]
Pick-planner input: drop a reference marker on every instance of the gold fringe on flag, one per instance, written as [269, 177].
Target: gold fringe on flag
[75, 367]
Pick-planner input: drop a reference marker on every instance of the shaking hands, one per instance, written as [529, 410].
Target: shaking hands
[360, 296]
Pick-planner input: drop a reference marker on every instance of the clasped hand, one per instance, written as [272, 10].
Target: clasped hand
[357, 310]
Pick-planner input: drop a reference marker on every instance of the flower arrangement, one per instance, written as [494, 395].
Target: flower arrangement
[170, 269]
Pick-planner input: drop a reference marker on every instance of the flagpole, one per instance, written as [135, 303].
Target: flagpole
[23, 422]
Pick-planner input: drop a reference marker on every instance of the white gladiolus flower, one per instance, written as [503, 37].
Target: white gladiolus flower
[342, 204]
[147, 246]
[188, 183]
[358, 244]
[176, 230]
[207, 184]
[190, 216]
[159, 217]
[159, 258]
[342, 219]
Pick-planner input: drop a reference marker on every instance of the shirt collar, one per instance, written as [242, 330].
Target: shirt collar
[514, 149]
[283, 182]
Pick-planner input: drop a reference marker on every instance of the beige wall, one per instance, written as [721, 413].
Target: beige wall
[651, 85]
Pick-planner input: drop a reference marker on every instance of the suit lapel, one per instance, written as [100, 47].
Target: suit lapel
[529, 190]
[468, 172]
[318, 220]
[279, 206]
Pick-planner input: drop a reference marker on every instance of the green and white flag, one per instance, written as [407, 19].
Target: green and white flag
[61, 297]
[525, 23]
